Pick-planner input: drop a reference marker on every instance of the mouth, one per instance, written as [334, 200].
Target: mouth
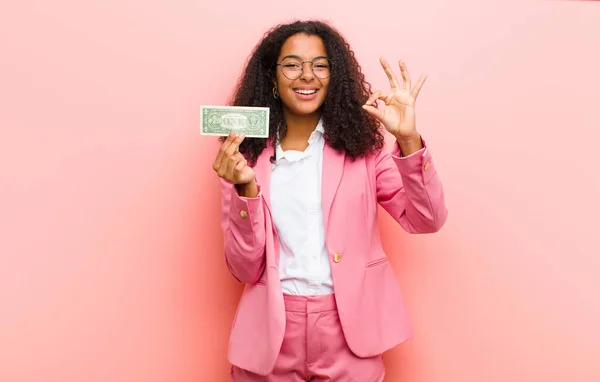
[306, 91]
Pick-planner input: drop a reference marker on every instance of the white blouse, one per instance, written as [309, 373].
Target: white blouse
[304, 267]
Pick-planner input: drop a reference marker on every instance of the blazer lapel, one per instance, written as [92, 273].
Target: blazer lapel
[262, 170]
[333, 168]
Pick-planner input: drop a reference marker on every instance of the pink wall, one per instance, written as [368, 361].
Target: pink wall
[111, 267]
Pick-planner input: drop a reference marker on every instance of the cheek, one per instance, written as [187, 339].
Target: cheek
[282, 82]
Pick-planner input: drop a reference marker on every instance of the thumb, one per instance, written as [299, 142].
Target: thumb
[375, 112]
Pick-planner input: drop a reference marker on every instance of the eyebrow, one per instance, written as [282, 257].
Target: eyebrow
[299, 58]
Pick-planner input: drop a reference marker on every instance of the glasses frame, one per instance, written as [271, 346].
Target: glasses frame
[301, 71]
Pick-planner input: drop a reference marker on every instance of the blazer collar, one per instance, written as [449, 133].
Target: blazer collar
[333, 169]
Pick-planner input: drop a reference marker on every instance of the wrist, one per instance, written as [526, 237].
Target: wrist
[248, 190]
[408, 139]
[410, 144]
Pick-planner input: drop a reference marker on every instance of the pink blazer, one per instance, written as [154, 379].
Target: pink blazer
[370, 305]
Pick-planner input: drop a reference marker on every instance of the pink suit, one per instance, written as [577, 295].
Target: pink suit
[369, 301]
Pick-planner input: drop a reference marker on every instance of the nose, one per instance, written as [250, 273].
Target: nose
[307, 72]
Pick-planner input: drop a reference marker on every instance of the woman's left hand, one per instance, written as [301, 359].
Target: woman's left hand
[398, 112]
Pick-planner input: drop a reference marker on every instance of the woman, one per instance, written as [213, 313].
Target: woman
[299, 210]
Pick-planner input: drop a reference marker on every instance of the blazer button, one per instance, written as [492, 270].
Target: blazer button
[426, 167]
[337, 257]
[244, 214]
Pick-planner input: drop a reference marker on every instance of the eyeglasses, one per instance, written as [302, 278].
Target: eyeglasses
[293, 68]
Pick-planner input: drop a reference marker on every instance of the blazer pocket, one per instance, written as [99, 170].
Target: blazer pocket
[377, 262]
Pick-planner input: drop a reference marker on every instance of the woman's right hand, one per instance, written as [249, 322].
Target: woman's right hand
[231, 165]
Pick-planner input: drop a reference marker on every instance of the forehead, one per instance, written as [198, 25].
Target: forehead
[304, 46]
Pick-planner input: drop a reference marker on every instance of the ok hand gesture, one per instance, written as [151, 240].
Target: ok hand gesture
[398, 110]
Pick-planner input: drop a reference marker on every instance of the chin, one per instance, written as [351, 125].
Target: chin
[304, 109]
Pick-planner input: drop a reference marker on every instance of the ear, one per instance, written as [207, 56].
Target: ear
[273, 75]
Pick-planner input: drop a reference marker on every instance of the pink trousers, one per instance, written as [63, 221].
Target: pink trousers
[314, 348]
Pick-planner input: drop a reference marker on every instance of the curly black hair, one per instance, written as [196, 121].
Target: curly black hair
[348, 128]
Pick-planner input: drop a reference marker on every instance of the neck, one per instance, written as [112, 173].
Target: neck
[300, 127]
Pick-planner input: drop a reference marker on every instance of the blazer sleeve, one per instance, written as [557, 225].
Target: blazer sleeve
[243, 225]
[410, 190]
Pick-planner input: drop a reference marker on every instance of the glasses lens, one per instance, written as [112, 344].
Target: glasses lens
[322, 67]
[292, 68]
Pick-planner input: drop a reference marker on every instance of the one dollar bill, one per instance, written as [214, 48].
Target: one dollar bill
[221, 120]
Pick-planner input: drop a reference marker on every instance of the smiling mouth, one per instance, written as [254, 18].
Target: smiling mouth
[306, 91]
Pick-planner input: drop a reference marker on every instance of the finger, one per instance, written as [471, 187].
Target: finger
[222, 150]
[239, 169]
[375, 96]
[235, 144]
[232, 163]
[390, 73]
[418, 86]
[405, 74]
[375, 112]
[241, 164]
[233, 147]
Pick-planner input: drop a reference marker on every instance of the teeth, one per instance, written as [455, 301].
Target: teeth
[306, 91]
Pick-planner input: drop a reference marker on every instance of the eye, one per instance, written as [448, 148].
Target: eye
[321, 63]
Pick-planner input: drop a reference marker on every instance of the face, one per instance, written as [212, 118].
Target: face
[305, 94]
